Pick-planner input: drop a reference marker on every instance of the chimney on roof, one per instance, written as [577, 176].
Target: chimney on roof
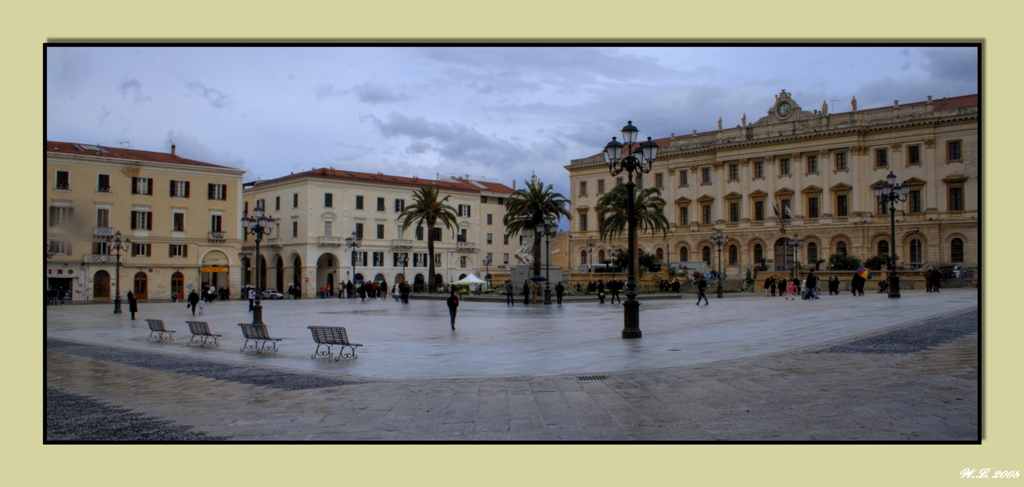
[438, 176]
[513, 185]
[173, 149]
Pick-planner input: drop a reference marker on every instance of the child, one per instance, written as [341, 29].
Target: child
[790, 291]
[202, 302]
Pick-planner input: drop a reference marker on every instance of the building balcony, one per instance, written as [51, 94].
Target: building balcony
[401, 244]
[466, 246]
[324, 241]
[103, 232]
[218, 236]
[99, 259]
[275, 242]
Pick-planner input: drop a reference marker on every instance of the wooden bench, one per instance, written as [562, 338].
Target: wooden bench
[157, 326]
[259, 336]
[201, 331]
[329, 336]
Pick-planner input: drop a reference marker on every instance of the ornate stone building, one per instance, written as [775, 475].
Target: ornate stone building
[819, 170]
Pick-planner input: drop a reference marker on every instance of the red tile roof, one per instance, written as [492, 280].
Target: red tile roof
[126, 154]
[337, 174]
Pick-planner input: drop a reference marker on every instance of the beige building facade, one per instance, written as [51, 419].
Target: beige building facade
[819, 170]
[181, 216]
[316, 210]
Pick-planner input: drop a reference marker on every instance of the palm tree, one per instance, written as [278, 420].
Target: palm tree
[427, 208]
[647, 205]
[527, 208]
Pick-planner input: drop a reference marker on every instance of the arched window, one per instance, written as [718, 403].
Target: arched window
[141, 285]
[841, 248]
[583, 257]
[812, 253]
[660, 254]
[684, 255]
[600, 255]
[734, 255]
[758, 253]
[956, 250]
[178, 284]
[883, 247]
[707, 254]
[915, 251]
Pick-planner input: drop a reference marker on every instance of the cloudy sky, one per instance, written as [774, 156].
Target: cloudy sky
[495, 112]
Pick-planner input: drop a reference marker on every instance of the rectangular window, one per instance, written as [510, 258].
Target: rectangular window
[784, 166]
[141, 249]
[490, 238]
[103, 248]
[60, 247]
[215, 223]
[506, 239]
[61, 215]
[359, 202]
[812, 207]
[914, 201]
[419, 233]
[277, 203]
[490, 219]
[380, 205]
[103, 217]
[179, 222]
[483, 199]
[461, 236]
[380, 231]
[914, 154]
[659, 180]
[295, 229]
[618, 181]
[437, 260]
[786, 209]
[295, 200]
[358, 258]
[841, 161]
[245, 207]
[359, 230]
[261, 203]
[734, 212]
[437, 235]
[759, 169]
[178, 250]
[103, 183]
[63, 180]
[734, 172]
[682, 178]
[684, 215]
[881, 158]
[812, 164]
[759, 211]
[842, 205]
[501, 201]
[329, 200]
[504, 258]
[583, 222]
[179, 189]
[705, 175]
[956, 199]
[218, 192]
[705, 214]
[881, 207]
[142, 186]
[399, 205]
[600, 186]
[464, 210]
[583, 188]
[142, 220]
[328, 228]
[954, 150]
[378, 259]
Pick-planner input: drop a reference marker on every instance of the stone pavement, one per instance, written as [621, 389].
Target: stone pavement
[745, 368]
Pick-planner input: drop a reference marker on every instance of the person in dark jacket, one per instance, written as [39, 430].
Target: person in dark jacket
[453, 307]
[767, 285]
[526, 292]
[857, 285]
[510, 293]
[614, 287]
[133, 304]
[702, 285]
[193, 300]
[559, 289]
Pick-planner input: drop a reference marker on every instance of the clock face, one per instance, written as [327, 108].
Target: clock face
[783, 110]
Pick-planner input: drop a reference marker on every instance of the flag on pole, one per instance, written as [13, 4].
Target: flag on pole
[789, 213]
[775, 206]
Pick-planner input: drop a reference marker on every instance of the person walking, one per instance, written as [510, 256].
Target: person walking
[403, 290]
[767, 285]
[453, 307]
[252, 298]
[790, 290]
[510, 293]
[384, 289]
[614, 286]
[193, 301]
[857, 285]
[526, 292]
[559, 289]
[133, 304]
[702, 285]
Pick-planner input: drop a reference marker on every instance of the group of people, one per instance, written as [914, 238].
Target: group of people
[932, 277]
[53, 295]
[790, 288]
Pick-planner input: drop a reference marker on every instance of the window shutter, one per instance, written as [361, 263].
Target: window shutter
[135, 185]
[53, 214]
[149, 186]
[149, 220]
[172, 188]
[187, 184]
[184, 250]
[209, 191]
[224, 194]
[133, 220]
[170, 250]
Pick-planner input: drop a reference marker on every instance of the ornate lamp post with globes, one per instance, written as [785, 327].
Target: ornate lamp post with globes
[116, 244]
[718, 240]
[890, 192]
[257, 225]
[591, 243]
[353, 242]
[637, 159]
[548, 229]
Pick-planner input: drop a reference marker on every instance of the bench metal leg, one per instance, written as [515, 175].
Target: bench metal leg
[316, 353]
[351, 355]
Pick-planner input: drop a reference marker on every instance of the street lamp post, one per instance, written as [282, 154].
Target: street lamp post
[118, 246]
[405, 262]
[353, 242]
[548, 229]
[591, 243]
[890, 191]
[613, 254]
[796, 242]
[257, 225]
[719, 240]
[487, 270]
[637, 159]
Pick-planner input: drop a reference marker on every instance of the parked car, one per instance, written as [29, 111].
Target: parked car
[272, 293]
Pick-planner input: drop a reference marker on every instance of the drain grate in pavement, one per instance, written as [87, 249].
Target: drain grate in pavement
[591, 377]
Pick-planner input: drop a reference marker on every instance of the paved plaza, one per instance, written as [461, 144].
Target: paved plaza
[745, 368]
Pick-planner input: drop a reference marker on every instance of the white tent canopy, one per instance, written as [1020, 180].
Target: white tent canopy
[472, 281]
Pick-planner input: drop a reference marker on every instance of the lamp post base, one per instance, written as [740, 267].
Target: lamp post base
[632, 317]
[117, 305]
[894, 285]
[719, 288]
[257, 313]
[547, 295]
